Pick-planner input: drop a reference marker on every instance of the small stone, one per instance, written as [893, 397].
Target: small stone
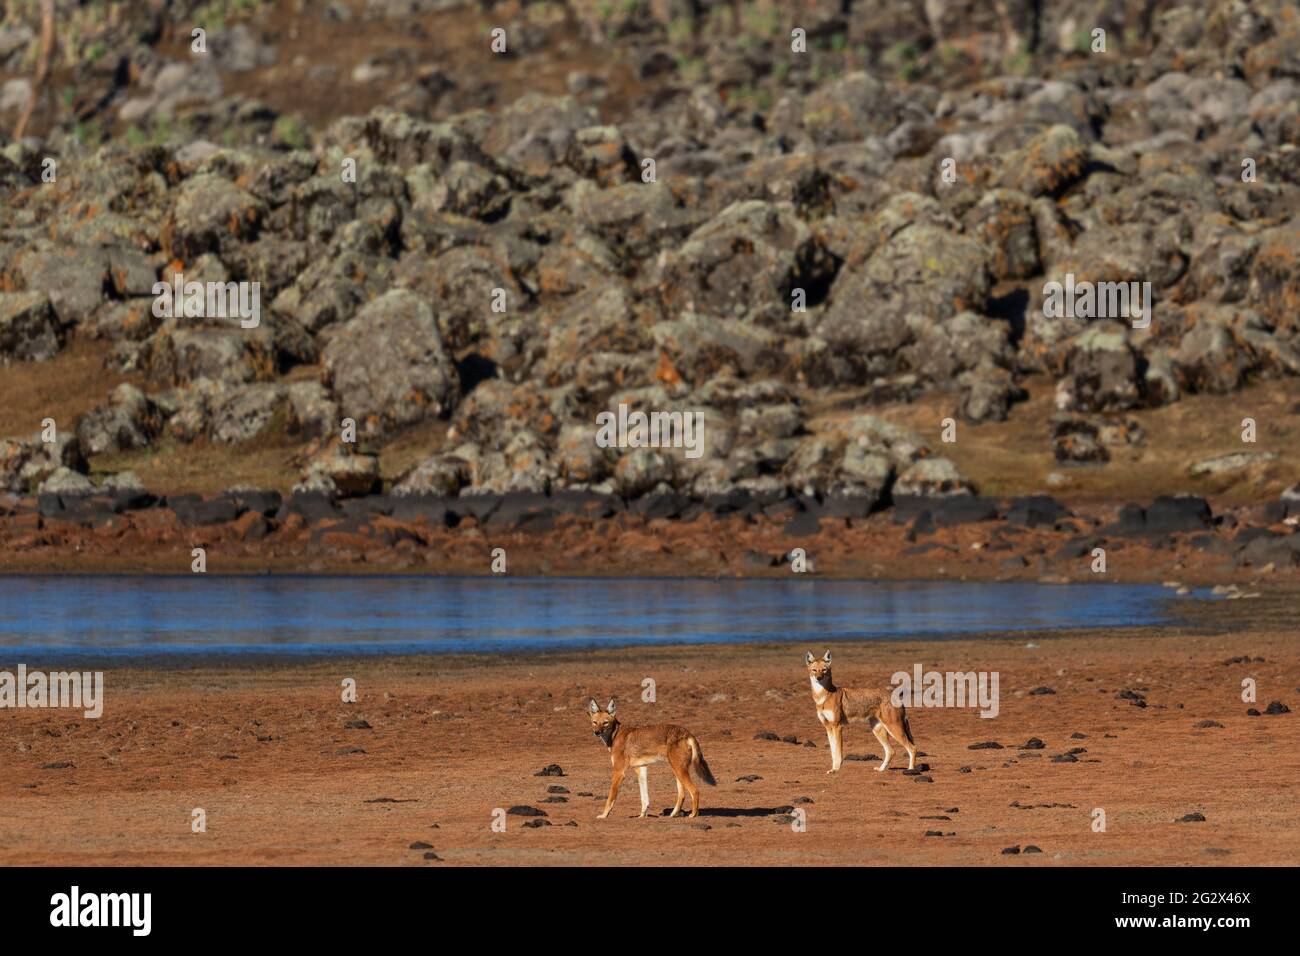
[550, 770]
[1192, 818]
[525, 811]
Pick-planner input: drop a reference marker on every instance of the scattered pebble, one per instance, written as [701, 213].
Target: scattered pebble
[550, 770]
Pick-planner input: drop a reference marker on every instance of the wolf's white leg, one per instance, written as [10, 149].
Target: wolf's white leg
[642, 778]
[911, 750]
[882, 735]
[830, 742]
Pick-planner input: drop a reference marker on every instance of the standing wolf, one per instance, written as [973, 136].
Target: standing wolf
[837, 706]
[641, 746]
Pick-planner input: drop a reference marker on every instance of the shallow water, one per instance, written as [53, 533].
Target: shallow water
[158, 617]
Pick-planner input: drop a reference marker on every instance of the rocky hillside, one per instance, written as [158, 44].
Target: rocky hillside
[826, 252]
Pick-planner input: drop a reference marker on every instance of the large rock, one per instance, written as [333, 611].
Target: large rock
[1048, 164]
[28, 332]
[210, 212]
[922, 275]
[743, 264]
[345, 472]
[243, 412]
[388, 367]
[441, 475]
[73, 278]
[1102, 371]
[931, 478]
[231, 356]
[701, 347]
[129, 420]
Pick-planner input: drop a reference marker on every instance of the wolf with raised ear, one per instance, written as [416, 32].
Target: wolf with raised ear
[641, 746]
[837, 706]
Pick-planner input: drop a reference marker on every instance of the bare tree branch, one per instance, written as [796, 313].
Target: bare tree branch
[42, 66]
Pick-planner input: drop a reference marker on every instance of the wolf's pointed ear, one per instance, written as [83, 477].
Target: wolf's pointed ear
[827, 658]
[807, 658]
[609, 708]
[592, 705]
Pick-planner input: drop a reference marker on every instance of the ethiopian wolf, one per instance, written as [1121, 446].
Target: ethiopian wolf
[837, 706]
[641, 746]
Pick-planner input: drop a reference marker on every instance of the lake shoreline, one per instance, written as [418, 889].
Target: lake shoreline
[955, 538]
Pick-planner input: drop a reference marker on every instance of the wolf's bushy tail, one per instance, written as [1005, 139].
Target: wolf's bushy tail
[907, 730]
[700, 765]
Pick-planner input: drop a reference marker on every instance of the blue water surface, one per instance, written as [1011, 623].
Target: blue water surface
[152, 616]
